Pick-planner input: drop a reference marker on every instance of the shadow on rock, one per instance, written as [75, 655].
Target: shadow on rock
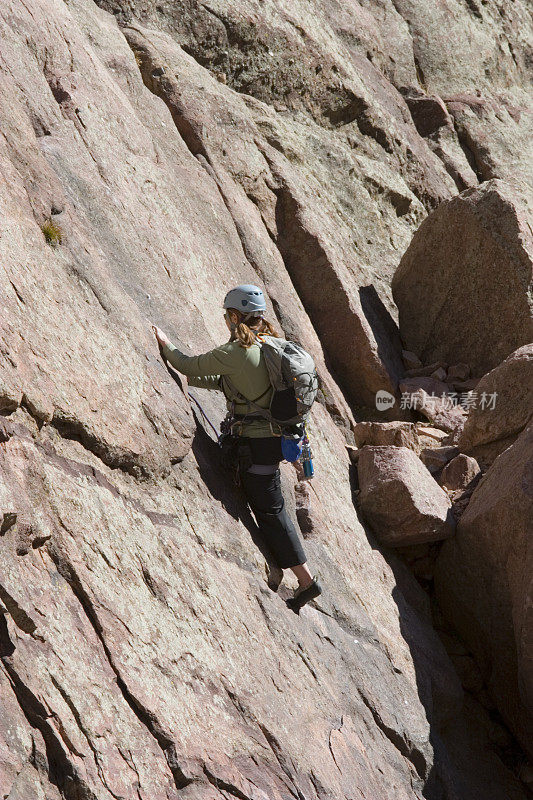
[220, 485]
[384, 329]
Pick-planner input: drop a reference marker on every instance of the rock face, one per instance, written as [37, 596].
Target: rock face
[463, 287]
[504, 405]
[485, 95]
[399, 498]
[149, 162]
[307, 95]
[484, 582]
[457, 372]
[282, 210]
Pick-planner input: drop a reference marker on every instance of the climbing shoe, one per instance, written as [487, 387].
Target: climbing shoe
[303, 596]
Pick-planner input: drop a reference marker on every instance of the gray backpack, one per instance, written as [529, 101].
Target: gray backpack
[293, 377]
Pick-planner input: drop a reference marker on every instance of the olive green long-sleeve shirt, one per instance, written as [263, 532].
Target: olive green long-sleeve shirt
[245, 367]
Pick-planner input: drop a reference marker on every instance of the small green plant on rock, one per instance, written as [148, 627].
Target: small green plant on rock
[52, 233]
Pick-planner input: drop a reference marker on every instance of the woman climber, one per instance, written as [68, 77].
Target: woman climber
[241, 360]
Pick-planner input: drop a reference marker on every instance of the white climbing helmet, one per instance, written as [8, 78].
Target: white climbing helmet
[246, 298]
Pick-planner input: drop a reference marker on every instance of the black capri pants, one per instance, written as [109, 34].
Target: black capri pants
[265, 498]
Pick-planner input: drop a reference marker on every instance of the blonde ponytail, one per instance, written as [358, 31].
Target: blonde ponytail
[244, 335]
[247, 333]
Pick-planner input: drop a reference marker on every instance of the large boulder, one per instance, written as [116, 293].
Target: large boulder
[502, 406]
[415, 435]
[463, 285]
[484, 583]
[432, 398]
[399, 498]
[459, 473]
[436, 458]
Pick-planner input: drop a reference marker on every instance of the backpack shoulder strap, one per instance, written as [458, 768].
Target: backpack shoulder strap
[250, 403]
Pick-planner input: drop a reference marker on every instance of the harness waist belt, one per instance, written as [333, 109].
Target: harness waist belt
[263, 469]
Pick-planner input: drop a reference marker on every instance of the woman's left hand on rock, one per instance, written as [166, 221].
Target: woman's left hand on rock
[160, 336]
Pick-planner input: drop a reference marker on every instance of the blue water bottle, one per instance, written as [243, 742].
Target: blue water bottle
[307, 459]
